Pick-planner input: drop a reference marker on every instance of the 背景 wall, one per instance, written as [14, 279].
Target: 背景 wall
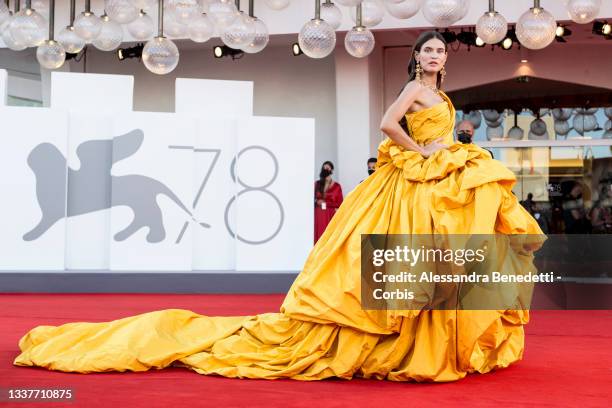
[283, 85]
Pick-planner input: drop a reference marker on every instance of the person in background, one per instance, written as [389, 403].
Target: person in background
[371, 165]
[529, 204]
[601, 212]
[574, 213]
[328, 197]
[465, 133]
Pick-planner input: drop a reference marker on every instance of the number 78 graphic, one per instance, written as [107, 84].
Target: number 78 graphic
[236, 179]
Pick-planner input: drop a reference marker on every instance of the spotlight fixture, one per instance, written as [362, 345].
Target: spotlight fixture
[510, 39]
[296, 50]
[602, 28]
[131, 52]
[466, 37]
[561, 32]
[449, 36]
[470, 38]
[221, 51]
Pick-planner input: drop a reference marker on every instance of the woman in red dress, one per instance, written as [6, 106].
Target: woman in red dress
[328, 197]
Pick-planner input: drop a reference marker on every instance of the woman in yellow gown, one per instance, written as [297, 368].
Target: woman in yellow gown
[424, 183]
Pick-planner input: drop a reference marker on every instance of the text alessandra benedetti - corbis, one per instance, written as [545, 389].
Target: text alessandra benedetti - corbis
[473, 277]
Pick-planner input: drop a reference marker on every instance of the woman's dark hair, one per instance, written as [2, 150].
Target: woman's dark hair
[321, 182]
[422, 39]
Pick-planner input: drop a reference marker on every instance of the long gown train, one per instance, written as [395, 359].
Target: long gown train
[321, 330]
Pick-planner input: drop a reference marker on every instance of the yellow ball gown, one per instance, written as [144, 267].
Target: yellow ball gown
[321, 330]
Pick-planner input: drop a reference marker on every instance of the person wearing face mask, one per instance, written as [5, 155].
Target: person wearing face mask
[465, 133]
[328, 197]
[371, 165]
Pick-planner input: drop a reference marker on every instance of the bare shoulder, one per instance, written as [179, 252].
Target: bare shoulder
[412, 87]
[411, 91]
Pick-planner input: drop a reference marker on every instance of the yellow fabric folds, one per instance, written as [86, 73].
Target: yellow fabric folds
[321, 330]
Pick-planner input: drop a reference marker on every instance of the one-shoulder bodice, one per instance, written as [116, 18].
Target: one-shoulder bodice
[431, 123]
[427, 125]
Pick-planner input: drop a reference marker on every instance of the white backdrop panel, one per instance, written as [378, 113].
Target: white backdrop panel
[274, 212]
[33, 183]
[214, 97]
[214, 247]
[151, 183]
[89, 157]
[3, 93]
[109, 93]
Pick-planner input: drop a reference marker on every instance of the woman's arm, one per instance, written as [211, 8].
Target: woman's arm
[390, 121]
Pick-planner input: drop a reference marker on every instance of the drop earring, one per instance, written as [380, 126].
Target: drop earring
[442, 74]
[419, 70]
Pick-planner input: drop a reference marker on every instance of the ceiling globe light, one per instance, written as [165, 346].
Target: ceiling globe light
[372, 13]
[142, 28]
[583, 11]
[403, 9]
[443, 13]
[201, 28]
[359, 42]
[87, 25]
[69, 39]
[173, 28]
[240, 33]
[42, 6]
[491, 27]
[203, 6]
[261, 38]
[184, 11]
[277, 4]
[7, 37]
[331, 14]
[5, 13]
[222, 12]
[160, 55]
[121, 11]
[110, 36]
[317, 39]
[51, 54]
[28, 27]
[536, 28]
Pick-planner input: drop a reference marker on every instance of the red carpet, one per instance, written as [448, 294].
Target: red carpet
[568, 362]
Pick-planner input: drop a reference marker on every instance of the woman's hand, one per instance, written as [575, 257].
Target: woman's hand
[433, 147]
